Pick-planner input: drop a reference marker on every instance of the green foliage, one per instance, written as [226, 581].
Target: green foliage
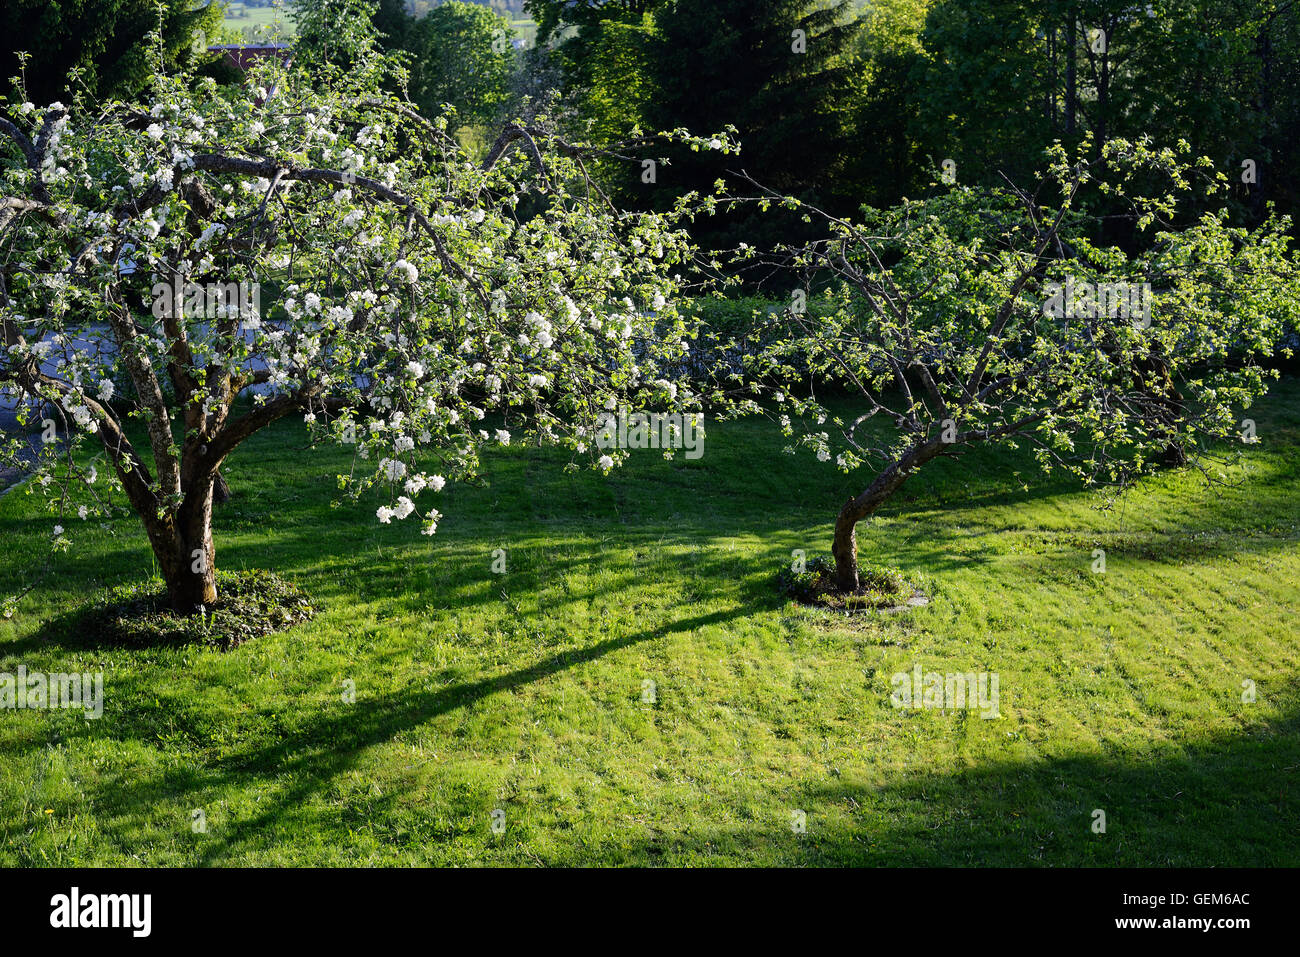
[394, 22]
[731, 331]
[337, 34]
[580, 19]
[980, 315]
[733, 317]
[104, 42]
[996, 81]
[979, 91]
[880, 162]
[780, 71]
[880, 586]
[788, 107]
[461, 54]
[619, 87]
[868, 116]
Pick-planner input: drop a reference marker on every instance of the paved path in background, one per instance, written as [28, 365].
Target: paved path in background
[95, 339]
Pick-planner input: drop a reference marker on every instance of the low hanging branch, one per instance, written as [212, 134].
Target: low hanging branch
[983, 317]
[412, 298]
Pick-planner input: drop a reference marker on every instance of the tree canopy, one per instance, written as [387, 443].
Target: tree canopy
[988, 315]
[462, 55]
[416, 294]
[104, 41]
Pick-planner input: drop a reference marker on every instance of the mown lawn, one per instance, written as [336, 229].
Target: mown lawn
[524, 692]
[280, 18]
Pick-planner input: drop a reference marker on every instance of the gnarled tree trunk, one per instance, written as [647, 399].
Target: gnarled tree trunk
[184, 549]
[844, 548]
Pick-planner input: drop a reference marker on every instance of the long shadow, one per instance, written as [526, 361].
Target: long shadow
[332, 741]
[1232, 801]
[768, 510]
[464, 581]
[1228, 800]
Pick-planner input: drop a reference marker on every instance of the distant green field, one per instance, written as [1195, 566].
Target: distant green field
[257, 22]
[264, 19]
[526, 30]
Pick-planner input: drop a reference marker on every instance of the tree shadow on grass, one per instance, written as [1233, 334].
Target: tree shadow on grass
[1231, 801]
[652, 504]
[458, 578]
[313, 755]
[455, 574]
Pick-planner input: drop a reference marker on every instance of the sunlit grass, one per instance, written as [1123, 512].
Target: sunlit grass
[527, 692]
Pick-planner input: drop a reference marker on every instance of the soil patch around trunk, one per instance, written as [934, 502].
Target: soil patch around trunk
[250, 604]
[880, 588]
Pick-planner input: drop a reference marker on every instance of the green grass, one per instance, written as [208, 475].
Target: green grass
[523, 692]
[525, 29]
[281, 18]
[278, 18]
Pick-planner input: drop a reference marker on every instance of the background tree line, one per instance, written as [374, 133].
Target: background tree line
[885, 91]
[839, 102]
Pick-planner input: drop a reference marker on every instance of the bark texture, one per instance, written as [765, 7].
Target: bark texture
[844, 548]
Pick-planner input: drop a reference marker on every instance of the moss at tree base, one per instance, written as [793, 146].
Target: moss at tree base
[250, 604]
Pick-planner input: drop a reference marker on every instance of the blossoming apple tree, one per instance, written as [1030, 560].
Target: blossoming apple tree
[173, 279]
[980, 316]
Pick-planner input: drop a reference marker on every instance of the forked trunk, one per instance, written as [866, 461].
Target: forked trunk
[844, 547]
[185, 552]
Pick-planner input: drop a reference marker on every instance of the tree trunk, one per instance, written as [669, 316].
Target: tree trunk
[194, 587]
[185, 552]
[1174, 455]
[1103, 93]
[220, 488]
[844, 547]
[1153, 378]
